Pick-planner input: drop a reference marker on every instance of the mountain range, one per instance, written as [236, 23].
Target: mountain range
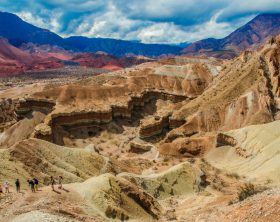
[251, 35]
[27, 47]
[19, 32]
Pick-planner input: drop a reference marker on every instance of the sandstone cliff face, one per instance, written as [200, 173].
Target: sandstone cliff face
[188, 147]
[246, 92]
[24, 106]
[121, 94]
[7, 110]
[7, 113]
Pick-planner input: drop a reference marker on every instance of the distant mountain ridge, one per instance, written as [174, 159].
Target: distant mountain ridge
[251, 35]
[119, 47]
[255, 32]
[19, 32]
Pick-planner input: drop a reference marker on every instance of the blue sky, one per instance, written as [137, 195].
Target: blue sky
[149, 21]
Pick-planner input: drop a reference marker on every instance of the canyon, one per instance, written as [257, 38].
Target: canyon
[140, 132]
[176, 139]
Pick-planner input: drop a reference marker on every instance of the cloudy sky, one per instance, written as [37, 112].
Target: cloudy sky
[149, 21]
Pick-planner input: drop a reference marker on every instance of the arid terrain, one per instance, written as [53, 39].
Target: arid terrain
[179, 139]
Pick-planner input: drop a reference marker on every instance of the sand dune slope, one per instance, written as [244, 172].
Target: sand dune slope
[256, 155]
[117, 198]
[181, 179]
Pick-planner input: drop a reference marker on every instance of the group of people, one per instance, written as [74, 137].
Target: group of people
[33, 184]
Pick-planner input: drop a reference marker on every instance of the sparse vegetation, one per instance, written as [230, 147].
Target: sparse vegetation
[234, 175]
[246, 191]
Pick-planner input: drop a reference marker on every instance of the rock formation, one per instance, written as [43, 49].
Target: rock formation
[180, 139]
[7, 113]
[73, 105]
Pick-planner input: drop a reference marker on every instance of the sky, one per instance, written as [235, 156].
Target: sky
[147, 21]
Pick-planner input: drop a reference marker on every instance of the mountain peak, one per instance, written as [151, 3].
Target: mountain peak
[18, 31]
[251, 35]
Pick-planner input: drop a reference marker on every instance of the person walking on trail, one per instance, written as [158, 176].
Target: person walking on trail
[17, 183]
[60, 182]
[52, 183]
[6, 186]
[32, 185]
[36, 183]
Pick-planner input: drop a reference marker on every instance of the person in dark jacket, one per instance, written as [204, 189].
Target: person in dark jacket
[32, 185]
[17, 183]
[36, 183]
[52, 182]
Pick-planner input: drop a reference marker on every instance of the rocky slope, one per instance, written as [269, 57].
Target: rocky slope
[251, 35]
[15, 61]
[125, 92]
[253, 154]
[183, 139]
[251, 97]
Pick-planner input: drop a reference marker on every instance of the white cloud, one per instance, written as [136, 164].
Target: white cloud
[240, 8]
[158, 21]
[48, 22]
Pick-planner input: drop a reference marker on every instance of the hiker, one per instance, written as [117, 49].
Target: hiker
[52, 183]
[60, 182]
[6, 186]
[17, 183]
[32, 185]
[36, 182]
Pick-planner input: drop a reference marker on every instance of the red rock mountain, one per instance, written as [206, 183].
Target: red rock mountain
[251, 35]
[47, 51]
[107, 61]
[38, 57]
[14, 60]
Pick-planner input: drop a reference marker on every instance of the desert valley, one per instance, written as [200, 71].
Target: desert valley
[140, 132]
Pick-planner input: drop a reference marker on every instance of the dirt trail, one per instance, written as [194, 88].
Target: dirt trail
[44, 205]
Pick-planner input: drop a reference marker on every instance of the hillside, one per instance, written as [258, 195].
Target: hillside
[178, 139]
[251, 35]
[17, 31]
[14, 60]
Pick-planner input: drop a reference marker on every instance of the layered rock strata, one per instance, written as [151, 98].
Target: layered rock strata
[140, 146]
[153, 126]
[184, 146]
[245, 93]
[24, 106]
[122, 94]
[63, 119]
[7, 112]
